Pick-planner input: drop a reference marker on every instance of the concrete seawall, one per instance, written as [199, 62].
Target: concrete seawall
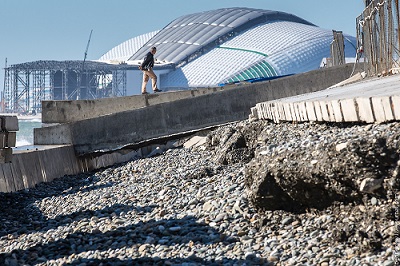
[37, 164]
[70, 111]
[109, 124]
[110, 132]
[371, 101]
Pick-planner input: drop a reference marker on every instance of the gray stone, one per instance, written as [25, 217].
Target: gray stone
[369, 185]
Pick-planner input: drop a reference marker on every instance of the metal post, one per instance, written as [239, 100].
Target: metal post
[4, 88]
[398, 23]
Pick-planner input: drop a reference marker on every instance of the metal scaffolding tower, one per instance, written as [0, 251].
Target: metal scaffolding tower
[26, 85]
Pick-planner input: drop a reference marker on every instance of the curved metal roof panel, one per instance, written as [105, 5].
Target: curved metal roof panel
[276, 48]
[206, 28]
[210, 68]
[231, 44]
[125, 50]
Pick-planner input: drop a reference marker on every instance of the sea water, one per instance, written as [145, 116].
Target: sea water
[25, 132]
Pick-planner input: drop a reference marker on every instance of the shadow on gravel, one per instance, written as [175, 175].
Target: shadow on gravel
[165, 232]
[192, 261]
[19, 215]
[44, 224]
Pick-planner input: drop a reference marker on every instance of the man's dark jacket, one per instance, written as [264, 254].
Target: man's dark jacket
[148, 61]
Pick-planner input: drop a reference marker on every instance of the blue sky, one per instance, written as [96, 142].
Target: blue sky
[33, 30]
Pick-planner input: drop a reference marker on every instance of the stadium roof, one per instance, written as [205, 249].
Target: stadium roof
[188, 34]
[185, 35]
[125, 50]
[231, 44]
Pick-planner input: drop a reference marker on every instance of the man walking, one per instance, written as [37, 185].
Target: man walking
[147, 69]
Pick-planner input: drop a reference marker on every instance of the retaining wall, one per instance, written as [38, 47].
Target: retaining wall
[374, 109]
[374, 100]
[45, 163]
[111, 132]
[70, 111]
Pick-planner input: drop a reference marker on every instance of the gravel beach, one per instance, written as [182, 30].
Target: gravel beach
[190, 206]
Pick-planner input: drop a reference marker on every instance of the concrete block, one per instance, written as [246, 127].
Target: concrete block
[269, 113]
[349, 110]
[365, 112]
[287, 112]
[46, 168]
[301, 106]
[282, 113]
[279, 110]
[11, 139]
[331, 112]
[7, 139]
[276, 112]
[16, 175]
[31, 176]
[5, 155]
[8, 178]
[318, 111]
[3, 182]
[260, 111]
[387, 108]
[303, 111]
[20, 164]
[279, 113]
[257, 114]
[3, 140]
[265, 113]
[296, 111]
[271, 110]
[395, 104]
[310, 110]
[299, 115]
[9, 123]
[325, 111]
[254, 113]
[337, 110]
[382, 109]
[195, 141]
[293, 112]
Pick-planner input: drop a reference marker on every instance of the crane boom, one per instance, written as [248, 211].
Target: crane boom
[78, 89]
[87, 48]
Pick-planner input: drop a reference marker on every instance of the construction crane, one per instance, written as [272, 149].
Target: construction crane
[78, 91]
[87, 48]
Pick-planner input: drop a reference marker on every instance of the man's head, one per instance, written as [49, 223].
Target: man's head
[153, 50]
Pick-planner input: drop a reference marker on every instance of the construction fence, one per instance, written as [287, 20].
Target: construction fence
[378, 37]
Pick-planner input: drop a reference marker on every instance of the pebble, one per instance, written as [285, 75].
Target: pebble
[178, 208]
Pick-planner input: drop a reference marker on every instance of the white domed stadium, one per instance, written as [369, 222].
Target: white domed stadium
[228, 45]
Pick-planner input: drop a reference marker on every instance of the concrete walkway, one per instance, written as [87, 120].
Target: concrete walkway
[370, 100]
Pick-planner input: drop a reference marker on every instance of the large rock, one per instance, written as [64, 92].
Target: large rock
[318, 175]
[234, 143]
[311, 165]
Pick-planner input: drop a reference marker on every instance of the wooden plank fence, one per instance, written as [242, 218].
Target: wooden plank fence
[378, 37]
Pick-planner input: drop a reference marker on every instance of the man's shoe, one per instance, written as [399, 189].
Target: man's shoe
[145, 92]
[157, 90]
